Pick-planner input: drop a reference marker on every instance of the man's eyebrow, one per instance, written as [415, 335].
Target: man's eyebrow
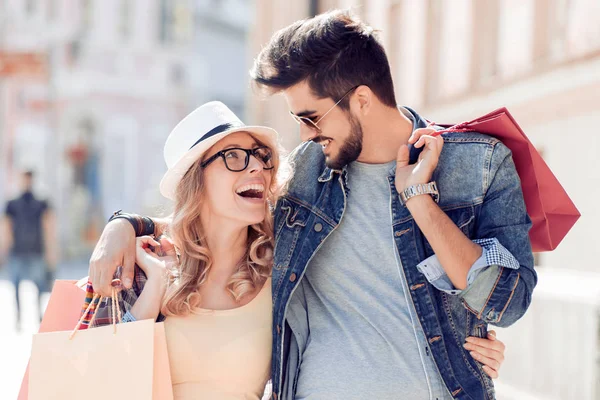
[305, 113]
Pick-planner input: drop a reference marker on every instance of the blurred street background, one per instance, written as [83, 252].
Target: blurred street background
[90, 89]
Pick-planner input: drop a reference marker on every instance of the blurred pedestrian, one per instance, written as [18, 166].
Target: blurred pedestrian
[29, 227]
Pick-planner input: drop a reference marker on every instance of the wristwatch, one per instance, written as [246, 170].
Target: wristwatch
[416, 190]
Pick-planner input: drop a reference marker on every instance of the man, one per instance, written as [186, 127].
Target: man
[382, 269]
[29, 227]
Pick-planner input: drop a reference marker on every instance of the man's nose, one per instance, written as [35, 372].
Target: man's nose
[307, 133]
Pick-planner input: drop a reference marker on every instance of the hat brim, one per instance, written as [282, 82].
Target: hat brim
[173, 176]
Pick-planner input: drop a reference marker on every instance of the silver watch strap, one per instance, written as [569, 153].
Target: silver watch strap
[420, 189]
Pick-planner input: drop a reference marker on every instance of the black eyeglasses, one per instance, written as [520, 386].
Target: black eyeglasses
[313, 124]
[237, 159]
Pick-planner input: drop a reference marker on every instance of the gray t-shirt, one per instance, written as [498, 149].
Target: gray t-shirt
[363, 339]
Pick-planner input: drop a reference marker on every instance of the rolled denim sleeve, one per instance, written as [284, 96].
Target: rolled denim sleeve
[481, 276]
[503, 216]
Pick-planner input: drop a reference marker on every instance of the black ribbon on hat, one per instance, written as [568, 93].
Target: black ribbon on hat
[216, 130]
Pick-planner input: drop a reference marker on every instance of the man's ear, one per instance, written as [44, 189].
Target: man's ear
[364, 96]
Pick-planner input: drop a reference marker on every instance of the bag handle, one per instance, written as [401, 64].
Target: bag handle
[116, 312]
[413, 152]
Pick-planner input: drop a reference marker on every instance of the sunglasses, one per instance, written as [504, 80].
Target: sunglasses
[237, 159]
[313, 124]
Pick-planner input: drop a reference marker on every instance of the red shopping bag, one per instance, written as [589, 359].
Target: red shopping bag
[551, 210]
[62, 313]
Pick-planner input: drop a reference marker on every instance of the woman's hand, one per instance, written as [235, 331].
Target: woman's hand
[489, 352]
[156, 269]
[154, 266]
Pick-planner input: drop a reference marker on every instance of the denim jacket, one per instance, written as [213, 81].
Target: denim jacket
[481, 193]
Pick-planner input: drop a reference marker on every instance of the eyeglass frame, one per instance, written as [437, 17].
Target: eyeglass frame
[249, 152]
[313, 124]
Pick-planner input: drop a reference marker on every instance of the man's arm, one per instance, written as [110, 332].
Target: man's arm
[6, 241]
[454, 250]
[503, 217]
[116, 247]
[51, 244]
[161, 225]
[499, 293]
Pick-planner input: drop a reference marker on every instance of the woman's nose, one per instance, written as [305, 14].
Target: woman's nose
[254, 164]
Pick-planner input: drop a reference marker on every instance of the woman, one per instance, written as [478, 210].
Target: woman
[216, 293]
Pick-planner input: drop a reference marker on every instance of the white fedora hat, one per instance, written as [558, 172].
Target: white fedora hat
[197, 133]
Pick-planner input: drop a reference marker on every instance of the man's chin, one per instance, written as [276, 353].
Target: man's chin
[334, 163]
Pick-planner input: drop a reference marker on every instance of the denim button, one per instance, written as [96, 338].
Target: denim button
[318, 227]
[292, 277]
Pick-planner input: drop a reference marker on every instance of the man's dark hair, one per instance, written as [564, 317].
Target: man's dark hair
[28, 174]
[333, 52]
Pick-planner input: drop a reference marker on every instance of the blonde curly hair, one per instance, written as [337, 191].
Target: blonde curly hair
[195, 262]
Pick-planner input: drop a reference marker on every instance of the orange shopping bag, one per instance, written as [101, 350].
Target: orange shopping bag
[62, 313]
[122, 361]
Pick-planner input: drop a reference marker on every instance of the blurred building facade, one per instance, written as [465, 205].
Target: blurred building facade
[90, 89]
[454, 60]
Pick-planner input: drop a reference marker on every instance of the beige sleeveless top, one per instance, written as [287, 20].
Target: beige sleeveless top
[222, 354]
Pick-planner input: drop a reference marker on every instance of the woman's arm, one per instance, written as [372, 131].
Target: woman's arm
[156, 268]
[148, 304]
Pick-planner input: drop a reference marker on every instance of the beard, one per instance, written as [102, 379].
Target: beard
[350, 149]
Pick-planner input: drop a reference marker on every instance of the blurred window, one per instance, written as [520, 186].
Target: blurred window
[407, 51]
[125, 20]
[51, 10]
[582, 26]
[176, 21]
[515, 38]
[87, 9]
[30, 7]
[456, 47]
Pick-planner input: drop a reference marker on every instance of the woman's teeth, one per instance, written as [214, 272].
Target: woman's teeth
[253, 191]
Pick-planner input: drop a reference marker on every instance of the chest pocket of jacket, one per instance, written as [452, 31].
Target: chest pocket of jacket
[290, 219]
[463, 217]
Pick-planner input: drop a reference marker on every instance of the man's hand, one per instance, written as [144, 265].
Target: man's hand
[489, 352]
[420, 172]
[115, 248]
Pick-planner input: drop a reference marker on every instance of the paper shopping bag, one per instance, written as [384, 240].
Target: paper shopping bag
[100, 364]
[62, 313]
